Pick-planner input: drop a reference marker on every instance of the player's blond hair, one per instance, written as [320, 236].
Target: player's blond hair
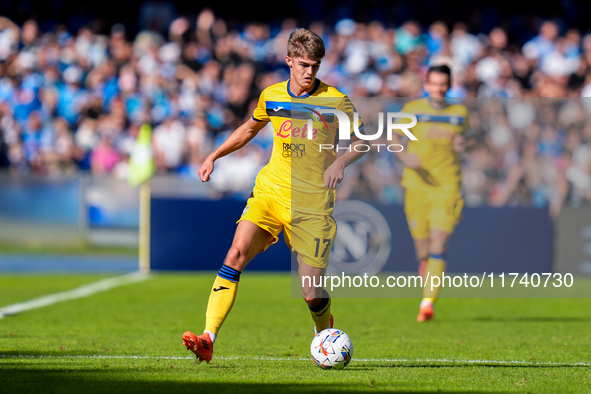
[304, 42]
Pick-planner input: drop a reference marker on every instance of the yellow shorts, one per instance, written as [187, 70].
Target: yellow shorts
[432, 208]
[311, 236]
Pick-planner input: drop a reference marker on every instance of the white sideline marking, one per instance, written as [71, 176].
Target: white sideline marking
[79, 292]
[390, 360]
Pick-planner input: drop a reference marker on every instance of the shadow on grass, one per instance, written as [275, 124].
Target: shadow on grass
[40, 373]
[88, 381]
[99, 381]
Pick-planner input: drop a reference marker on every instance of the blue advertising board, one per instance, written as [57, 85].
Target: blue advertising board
[189, 234]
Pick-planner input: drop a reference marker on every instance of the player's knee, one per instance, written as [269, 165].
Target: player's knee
[314, 300]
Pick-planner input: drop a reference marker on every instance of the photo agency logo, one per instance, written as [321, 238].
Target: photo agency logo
[391, 119]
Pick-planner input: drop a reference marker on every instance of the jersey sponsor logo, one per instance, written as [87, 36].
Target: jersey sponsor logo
[294, 150]
[436, 133]
[286, 131]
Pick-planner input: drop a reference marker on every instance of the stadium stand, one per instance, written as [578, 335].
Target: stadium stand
[72, 101]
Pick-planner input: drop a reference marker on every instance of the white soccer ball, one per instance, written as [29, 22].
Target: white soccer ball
[331, 348]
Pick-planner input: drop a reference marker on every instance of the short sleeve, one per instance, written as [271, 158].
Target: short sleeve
[407, 108]
[348, 108]
[260, 112]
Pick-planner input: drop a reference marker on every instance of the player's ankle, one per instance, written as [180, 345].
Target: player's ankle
[426, 302]
[212, 336]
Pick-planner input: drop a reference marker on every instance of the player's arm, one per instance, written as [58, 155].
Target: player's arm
[240, 137]
[335, 172]
[408, 159]
[465, 141]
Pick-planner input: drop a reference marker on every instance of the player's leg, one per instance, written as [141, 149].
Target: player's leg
[435, 268]
[249, 240]
[256, 230]
[422, 254]
[312, 237]
[444, 217]
[416, 208]
[317, 298]
[436, 263]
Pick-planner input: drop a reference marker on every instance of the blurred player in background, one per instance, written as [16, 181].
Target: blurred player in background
[293, 193]
[432, 178]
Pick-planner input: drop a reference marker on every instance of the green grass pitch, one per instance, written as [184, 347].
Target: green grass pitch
[128, 339]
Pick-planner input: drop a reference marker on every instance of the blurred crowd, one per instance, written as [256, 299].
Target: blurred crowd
[73, 102]
[529, 152]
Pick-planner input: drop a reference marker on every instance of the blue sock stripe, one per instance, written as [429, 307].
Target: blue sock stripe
[229, 273]
[440, 256]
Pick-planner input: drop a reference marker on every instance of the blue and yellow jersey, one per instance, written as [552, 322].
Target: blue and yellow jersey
[295, 173]
[435, 130]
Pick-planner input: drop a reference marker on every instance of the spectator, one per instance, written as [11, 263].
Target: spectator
[73, 100]
[104, 157]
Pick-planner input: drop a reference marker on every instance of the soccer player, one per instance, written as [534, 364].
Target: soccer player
[293, 193]
[432, 178]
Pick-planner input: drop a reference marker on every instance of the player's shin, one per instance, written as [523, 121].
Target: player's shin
[433, 274]
[422, 268]
[320, 311]
[221, 299]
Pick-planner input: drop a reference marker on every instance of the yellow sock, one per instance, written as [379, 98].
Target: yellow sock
[435, 268]
[321, 313]
[221, 298]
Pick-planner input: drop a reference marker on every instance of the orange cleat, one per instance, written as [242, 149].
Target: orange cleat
[201, 345]
[425, 313]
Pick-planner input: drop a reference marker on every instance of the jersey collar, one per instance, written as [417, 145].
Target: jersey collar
[316, 84]
[447, 105]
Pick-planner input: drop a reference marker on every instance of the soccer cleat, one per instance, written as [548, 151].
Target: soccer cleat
[201, 345]
[425, 313]
[330, 325]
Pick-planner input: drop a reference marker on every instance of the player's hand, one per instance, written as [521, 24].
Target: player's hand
[515, 174]
[459, 143]
[334, 174]
[205, 170]
[411, 161]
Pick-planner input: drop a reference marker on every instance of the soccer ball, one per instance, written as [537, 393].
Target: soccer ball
[331, 348]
